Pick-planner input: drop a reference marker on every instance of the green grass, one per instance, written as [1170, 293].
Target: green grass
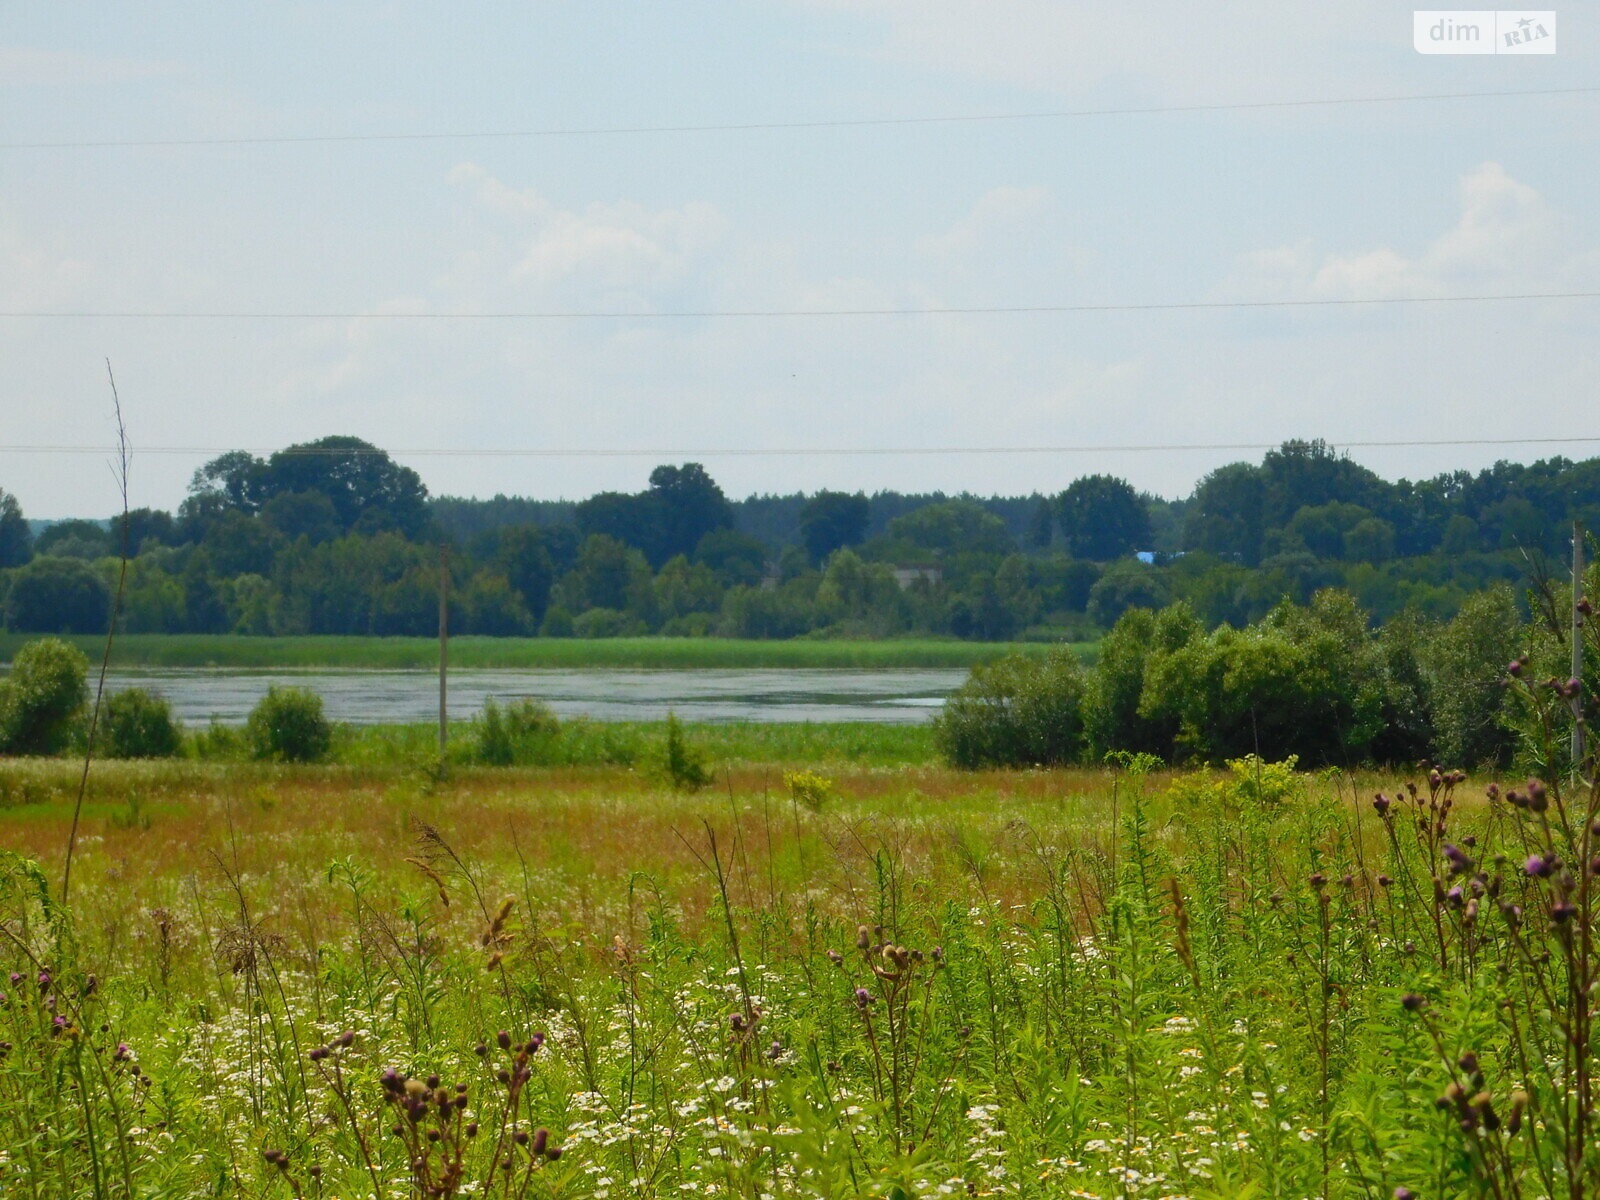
[871, 985]
[238, 651]
[595, 743]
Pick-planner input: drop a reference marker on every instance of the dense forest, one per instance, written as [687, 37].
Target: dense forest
[334, 537]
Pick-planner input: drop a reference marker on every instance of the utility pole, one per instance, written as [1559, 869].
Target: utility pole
[444, 647]
[1577, 646]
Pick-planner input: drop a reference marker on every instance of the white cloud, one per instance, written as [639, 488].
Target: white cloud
[1001, 213]
[1508, 236]
[608, 247]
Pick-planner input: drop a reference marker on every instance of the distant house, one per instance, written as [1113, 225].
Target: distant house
[906, 574]
[1146, 556]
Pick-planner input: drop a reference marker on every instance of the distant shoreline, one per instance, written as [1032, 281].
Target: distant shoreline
[480, 653]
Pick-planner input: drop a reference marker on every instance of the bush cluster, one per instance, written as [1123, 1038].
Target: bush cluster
[1314, 681]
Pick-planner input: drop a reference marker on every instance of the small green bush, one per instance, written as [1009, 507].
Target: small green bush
[288, 725]
[1017, 712]
[681, 764]
[42, 701]
[139, 724]
[524, 733]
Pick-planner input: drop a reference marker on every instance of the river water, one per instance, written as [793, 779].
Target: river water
[898, 697]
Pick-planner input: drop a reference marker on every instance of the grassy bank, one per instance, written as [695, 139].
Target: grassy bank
[583, 743]
[244, 653]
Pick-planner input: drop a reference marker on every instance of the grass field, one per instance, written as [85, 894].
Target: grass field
[861, 981]
[231, 650]
[623, 743]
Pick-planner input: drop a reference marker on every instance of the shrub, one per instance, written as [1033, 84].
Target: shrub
[139, 724]
[607, 623]
[288, 725]
[684, 766]
[557, 623]
[521, 734]
[43, 700]
[1014, 713]
[808, 788]
[58, 595]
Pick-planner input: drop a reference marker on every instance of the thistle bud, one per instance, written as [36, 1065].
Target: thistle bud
[1412, 1002]
[503, 1039]
[541, 1140]
[863, 939]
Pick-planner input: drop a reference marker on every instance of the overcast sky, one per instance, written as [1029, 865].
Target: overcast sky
[1348, 201]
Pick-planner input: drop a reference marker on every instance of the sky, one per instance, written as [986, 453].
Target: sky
[1490, 195]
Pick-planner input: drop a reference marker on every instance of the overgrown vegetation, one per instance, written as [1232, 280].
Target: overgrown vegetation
[1314, 681]
[321, 982]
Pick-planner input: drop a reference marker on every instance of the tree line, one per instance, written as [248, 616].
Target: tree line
[334, 537]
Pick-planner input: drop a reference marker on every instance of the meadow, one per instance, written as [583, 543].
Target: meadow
[812, 978]
[242, 652]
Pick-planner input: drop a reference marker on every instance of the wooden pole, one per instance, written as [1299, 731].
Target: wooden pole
[444, 648]
[1577, 646]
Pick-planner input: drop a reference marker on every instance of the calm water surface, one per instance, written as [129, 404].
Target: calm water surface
[902, 697]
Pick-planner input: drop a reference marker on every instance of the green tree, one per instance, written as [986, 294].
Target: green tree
[953, 527]
[830, 521]
[58, 595]
[288, 725]
[310, 515]
[1227, 515]
[1102, 518]
[369, 491]
[1113, 716]
[42, 700]
[1124, 585]
[733, 557]
[16, 542]
[691, 506]
[139, 724]
[1465, 668]
[1016, 712]
[74, 539]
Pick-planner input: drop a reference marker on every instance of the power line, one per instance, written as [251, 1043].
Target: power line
[802, 452]
[758, 126]
[759, 313]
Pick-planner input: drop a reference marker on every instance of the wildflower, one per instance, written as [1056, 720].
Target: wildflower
[1537, 866]
[1412, 1002]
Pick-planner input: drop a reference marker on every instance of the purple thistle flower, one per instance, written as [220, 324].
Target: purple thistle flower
[1536, 866]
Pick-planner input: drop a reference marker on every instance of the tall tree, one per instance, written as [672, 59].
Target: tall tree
[691, 506]
[370, 492]
[830, 521]
[1102, 518]
[16, 542]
